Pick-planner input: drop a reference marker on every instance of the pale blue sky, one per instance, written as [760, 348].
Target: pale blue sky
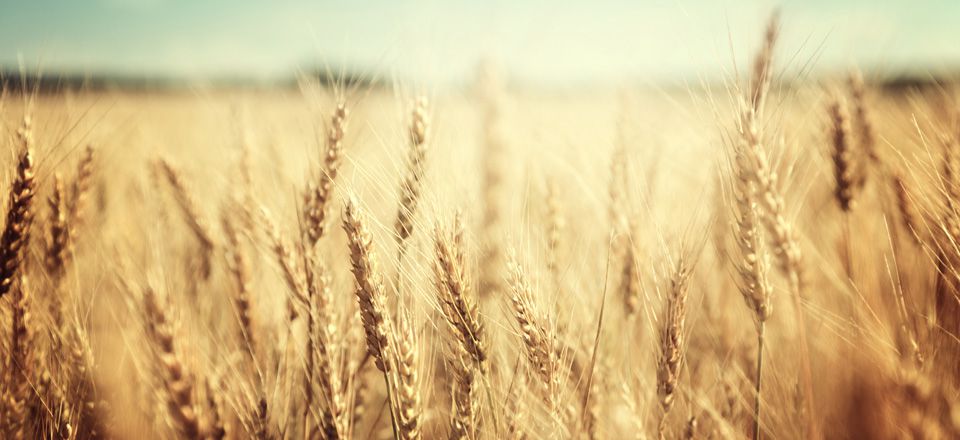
[542, 41]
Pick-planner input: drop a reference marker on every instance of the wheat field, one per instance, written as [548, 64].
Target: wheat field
[766, 258]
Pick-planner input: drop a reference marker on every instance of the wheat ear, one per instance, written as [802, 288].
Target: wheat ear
[318, 196]
[412, 183]
[191, 212]
[539, 342]
[370, 296]
[672, 342]
[453, 289]
[58, 237]
[179, 387]
[16, 232]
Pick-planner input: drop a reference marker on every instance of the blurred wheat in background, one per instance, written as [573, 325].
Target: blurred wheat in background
[771, 256]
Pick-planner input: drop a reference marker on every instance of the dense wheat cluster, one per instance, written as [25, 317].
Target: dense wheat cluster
[759, 260]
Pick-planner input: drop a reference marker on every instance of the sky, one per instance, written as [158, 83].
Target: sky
[557, 41]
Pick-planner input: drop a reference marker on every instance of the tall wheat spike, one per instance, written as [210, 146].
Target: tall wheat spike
[751, 264]
[786, 248]
[372, 302]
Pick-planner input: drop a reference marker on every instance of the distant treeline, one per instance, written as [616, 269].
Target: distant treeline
[50, 82]
[14, 81]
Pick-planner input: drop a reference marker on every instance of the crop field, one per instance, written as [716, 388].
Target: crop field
[774, 256]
